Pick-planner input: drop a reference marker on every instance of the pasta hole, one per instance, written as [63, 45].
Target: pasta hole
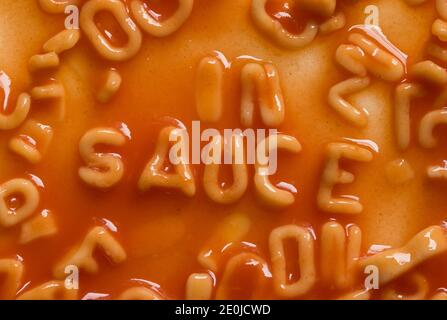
[292, 255]
[226, 177]
[292, 18]
[406, 287]
[243, 282]
[110, 28]
[15, 201]
[168, 167]
[440, 133]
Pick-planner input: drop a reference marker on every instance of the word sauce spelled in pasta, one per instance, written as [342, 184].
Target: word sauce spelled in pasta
[223, 150]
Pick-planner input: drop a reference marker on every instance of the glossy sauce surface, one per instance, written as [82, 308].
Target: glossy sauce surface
[163, 232]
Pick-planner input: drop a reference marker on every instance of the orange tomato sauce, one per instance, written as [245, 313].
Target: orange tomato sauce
[163, 231]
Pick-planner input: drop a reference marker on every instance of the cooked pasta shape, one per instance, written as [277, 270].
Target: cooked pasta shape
[49, 91]
[437, 52]
[103, 170]
[333, 24]
[82, 256]
[33, 141]
[140, 293]
[351, 58]
[420, 293]
[232, 267]
[428, 124]
[365, 56]
[57, 6]
[306, 262]
[403, 96]
[261, 81]
[399, 172]
[348, 111]
[379, 62]
[441, 8]
[232, 229]
[42, 226]
[266, 191]
[110, 86]
[43, 61]
[211, 183]
[428, 140]
[439, 29]
[52, 290]
[209, 90]
[11, 272]
[273, 28]
[333, 175]
[52, 91]
[269, 242]
[15, 118]
[62, 41]
[340, 251]
[29, 200]
[99, 41]
[393, 263]
[153, 174]
[199, 286]
[429, 72]
[161, 28]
